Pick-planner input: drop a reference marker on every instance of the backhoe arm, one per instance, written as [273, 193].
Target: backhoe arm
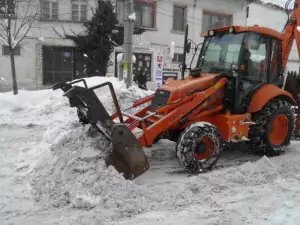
[291, 32]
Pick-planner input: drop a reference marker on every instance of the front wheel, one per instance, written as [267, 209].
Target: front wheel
[199, 147]
[274, 128]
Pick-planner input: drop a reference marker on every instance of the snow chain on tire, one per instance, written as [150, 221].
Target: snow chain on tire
[258, 133]
[187, 143]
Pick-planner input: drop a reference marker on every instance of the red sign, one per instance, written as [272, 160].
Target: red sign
[159, 58]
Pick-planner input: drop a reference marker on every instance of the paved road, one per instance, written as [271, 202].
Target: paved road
[165, 166]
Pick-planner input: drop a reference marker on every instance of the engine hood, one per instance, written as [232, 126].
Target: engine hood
[178, 88]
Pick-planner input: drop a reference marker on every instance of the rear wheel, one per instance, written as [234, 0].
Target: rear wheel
[199, 147]
[274, 128]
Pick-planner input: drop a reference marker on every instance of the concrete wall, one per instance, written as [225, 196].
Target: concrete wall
[264, 15]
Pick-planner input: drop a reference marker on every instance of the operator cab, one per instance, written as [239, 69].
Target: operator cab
[249, 57]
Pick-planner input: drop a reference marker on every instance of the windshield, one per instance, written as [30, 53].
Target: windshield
[220, 52]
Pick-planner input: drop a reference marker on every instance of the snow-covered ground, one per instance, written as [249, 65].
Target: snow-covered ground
[52, 172]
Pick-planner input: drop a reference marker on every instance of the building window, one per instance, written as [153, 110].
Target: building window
[178, 58]
[145, 13]
[212, 20]
[9, 3]
[79, 10]
[50, 10]
[58, 64]
[179, 18]
[5, 50]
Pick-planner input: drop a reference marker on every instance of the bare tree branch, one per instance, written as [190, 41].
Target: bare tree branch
[4, 41]
[2, 36]
[15, 26]
[23, 36]
[4, 27]
[11, 31]
[23, 21]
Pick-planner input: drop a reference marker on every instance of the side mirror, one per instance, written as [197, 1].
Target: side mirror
[188, 47]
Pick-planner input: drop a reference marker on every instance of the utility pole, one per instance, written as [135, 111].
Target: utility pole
[128, 39]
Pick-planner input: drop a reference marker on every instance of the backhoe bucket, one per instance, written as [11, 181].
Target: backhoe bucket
[127, 154]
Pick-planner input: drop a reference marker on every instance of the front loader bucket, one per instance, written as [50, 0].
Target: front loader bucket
[127, 154]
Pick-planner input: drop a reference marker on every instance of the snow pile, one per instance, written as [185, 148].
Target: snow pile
[71, 184]
[74, 165]
[77, 177]
[72, 171]
[46, 107]
[75, 174]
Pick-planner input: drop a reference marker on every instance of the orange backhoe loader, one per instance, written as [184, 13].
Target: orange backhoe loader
[235, 93]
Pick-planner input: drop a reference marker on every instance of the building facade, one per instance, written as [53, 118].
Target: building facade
[165, 21]
[275, 17]
[45, 57]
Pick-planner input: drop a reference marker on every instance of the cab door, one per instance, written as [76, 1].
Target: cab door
[254, 66]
